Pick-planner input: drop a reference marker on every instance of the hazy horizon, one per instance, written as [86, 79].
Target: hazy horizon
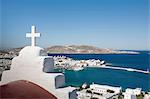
[113, 24]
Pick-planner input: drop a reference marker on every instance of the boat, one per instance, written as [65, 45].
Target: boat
[78, 68]
[130, 69]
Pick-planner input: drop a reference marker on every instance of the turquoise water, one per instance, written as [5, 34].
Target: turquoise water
[112, 77]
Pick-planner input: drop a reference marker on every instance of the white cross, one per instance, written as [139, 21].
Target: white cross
[33, 35]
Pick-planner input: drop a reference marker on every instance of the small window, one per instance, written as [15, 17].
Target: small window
[48, 65]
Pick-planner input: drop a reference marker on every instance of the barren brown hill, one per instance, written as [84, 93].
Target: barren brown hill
[83, 49]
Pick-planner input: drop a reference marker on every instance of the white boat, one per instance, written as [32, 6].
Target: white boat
[102, 62]
[130, 69]
[78, 68]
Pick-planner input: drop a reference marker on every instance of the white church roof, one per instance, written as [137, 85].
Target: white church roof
[31, 51]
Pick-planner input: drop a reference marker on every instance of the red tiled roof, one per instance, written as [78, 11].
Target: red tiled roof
[23, 89]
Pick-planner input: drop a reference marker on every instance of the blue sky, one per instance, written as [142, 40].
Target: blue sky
[117, 24]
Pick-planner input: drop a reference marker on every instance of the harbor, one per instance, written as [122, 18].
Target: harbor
[64, 62]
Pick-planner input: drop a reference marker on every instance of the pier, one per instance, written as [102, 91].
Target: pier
[126, 69]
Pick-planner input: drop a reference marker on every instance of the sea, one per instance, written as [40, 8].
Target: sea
[112, 77]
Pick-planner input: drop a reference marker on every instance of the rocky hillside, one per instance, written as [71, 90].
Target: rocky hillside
[72, 49]
[84, 49]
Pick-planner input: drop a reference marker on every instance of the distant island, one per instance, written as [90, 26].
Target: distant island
[72, 49]
[84, 49]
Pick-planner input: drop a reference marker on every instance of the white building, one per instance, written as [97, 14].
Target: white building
[35, 66]
[129, 96]
[99, 92]
[136, 91]
[147, 96]
[104, 88]
[131, 93]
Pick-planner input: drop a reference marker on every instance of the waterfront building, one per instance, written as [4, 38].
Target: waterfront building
[105, 88]
[136, 91]
[147, 96]
[129, 96]
[99, 92]
[131, 93]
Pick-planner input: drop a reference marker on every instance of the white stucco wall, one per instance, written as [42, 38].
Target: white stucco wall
[29, 66]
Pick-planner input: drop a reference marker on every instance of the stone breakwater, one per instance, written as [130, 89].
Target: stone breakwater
[126, 69]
